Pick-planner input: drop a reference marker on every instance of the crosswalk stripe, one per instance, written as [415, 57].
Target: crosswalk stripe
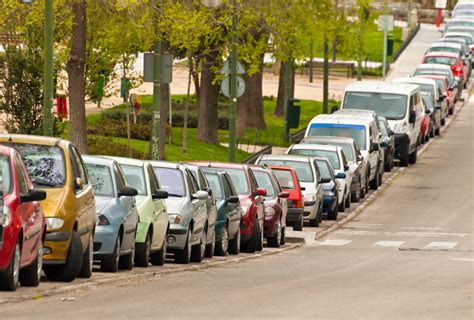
[389, 243]
[334, 242]
[441, 245]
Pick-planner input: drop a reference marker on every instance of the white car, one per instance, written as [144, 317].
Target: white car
[338, 160]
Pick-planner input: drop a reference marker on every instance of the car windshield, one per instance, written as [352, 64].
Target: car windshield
[441, 60]
[5, 175]
[215, 184]
[388, 105]
[303, 169]
[45, 164]
[324, 169]
[332, 156]
[464, 23]
[356, 132]
[442, 84]
[101, 178]
[444, 49]
[171, 180]
[135, 177]
[265, 181]
[427, 88]
[466, 38]
[428, 101]
[383, 128]
[434, 72]
[239, 179]
[285, 178]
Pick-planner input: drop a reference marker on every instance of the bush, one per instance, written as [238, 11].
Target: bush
[108, 147]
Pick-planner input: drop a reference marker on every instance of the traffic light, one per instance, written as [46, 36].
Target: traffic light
[294, 111]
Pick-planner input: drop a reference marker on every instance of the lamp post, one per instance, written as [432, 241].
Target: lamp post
[155, 133]
[48, 67]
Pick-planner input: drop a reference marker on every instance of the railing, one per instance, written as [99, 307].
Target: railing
[406, 42]
[254, 157]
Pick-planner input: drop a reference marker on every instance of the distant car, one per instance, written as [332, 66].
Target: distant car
[150, 239]
[446, 103]
[56, 166]
[251, 200]
[338, 160]
[22, 224]
[387, 143]
[310, 181]
[187, 211]
[443, 70]
[330, 187]
[454, 61]
[276, 207]
[435, 114]
[425, 123]
[229, 212]
[210, 205]
[289, 182]
[357, 163]
[117, 214]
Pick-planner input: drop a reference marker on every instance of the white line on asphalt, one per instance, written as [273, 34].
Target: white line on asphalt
[389, 243]
[421, 228]
[462, 259]
[426, 234]
[357, 232]
[334, 242]
[441, 245]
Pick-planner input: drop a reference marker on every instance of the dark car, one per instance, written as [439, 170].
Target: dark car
[251, 200]
[435, 114]
[276, 207]
[387, 143]
[229, 212]
[330, 187]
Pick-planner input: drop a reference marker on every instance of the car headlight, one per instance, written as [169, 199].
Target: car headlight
[54, 223]
[269, 212]
[310, 197]
[175, 218]
[102, 220]
[6, 217]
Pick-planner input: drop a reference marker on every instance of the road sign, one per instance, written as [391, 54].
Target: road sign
[166, 67]
[386, 22]
[225, 86]
[227, 70]
[441, 4]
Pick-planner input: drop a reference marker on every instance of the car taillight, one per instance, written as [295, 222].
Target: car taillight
[295, 203]
[457, 71]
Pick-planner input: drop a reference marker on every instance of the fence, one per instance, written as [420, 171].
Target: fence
[254, 157]
[406, 42]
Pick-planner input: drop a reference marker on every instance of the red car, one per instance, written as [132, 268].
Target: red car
[22, 224]
[449, 95]
[451, 59]
[251, 201]
[425, 124]
[289, 182]
[276, 207]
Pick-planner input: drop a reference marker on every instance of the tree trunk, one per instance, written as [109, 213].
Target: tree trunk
[165, 128]
[279, 110]
[76, 77]
[208, 98]
[193, 63]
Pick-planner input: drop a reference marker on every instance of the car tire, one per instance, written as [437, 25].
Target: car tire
[275, 241]
[70, 270]
[30, 276]
[341, 207]
[332, 215]
[183, 256]
[234, 244]
[87, 260]
[142, 255]
[111, 263]
[451, 111]
[413, 156]
[375, 183]
[348, 200]
[198, 251]
[260, 239]
[252, 245]
[355, 196]
[283, 236]
[314, 222]
[443, 121]
[10, 277]
[438, 132]
[367, 182]
[158, 258]
[222, 245]
[126, 261]
[210, 249]
[298, 225]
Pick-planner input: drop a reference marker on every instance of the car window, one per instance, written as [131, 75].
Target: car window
[119, 177]
[172, 181]
[227, 187]
[135, 177]
[332, 156]
[356, 132]
[325, 170]
[101, 179]
[285, 178]
[202, 180]
[215, 185]
[239, 179]
[303, 169]
[344, 160]
[154, 186]
[22, 182]
[191, 185]
[264, 181]
[193, 181]
[6, 175]
[80, 165]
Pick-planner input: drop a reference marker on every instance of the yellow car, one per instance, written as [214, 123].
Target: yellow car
[56, 166]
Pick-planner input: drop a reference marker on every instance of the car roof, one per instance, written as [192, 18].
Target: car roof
[442, 54]
[356, 112]
[343, 119]
[102, 161]
[223, 165]
[433, 66]
[457, 34]
[127, 161]
[31, 139]
[287, 157]
[446, 44]
[328, 138]
[168, 164]
[316, 146]
[414, 80]
[281, 168]
[380, 86]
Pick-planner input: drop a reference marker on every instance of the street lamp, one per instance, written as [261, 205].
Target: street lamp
[48, 67]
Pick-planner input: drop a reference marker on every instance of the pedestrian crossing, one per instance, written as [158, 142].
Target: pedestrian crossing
[432, 245]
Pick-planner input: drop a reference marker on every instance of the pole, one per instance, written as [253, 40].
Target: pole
[155, 140]
[48, 69]
[326, 76]
[409, 8]
[439, 18]
[233, 85]
[311, 53]
[385, 35]
[288, 83]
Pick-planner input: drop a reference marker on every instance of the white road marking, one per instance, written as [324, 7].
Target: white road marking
[357, 232]
[462, 259]
[334, 242]
[421, 228]
[389, 243]
[441, 245]
[426, 234]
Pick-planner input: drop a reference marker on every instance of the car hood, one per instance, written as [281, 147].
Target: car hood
[174, 204]
[101, 203]
[54, 197]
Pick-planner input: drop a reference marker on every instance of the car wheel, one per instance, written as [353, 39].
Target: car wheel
[348, 200]
[413, 156]
[260, 238]
[31, 276]
[374, 184]
[126, 261]
[298, 225]
[367, 180]
[283, 236]
[315, 222]
[443, 121]
[87, 260]
[342, 206]
[252, 244]
[111, 263]
[210, 249]
[198, 251]
[223, 244]
[70, 270]
[234, 244]
[183, 256]
[142, 256]
[9, 278]
[274, 242]
[158, 258]
[438, 132]
[355, 196]
[332, 215]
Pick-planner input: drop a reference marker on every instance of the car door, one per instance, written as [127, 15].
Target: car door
[373, 155]
[233, 209]
[198, 207]
[258, 199]
[319, 185]
[349, 175]
[282, 202]
[127, 204]
[160, 217]
[210, 205]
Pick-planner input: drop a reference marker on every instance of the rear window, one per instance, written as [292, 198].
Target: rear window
[332, 156]
[441, 60]
[356, 132]
[303, 169]
[285, 178]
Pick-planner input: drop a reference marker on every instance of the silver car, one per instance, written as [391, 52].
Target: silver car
[187, 212]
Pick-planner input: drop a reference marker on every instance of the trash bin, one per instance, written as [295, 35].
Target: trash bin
[294, 112]
[390, 45]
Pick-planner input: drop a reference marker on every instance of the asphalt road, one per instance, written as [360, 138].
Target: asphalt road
[410, 254]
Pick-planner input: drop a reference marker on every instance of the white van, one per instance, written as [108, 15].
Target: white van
[399, 103]
[364, 130]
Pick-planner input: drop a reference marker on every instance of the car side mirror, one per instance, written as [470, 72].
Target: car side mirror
[233, 199]
[341, 175]
[201, 195]
[346, 167]
[412, 117]
[33, 195]
[261, 192]
[160, 194]
[360, 157]
[209, 191]
[128, 191]
[78, 183]
[284, 195]
[325, 180]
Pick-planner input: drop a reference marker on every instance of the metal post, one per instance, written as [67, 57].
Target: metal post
[48, 69]
[326, 76]
[155, 135]
[288, 85]
[385, 35]
[311, 57]
[409, 8]
[233, 85]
